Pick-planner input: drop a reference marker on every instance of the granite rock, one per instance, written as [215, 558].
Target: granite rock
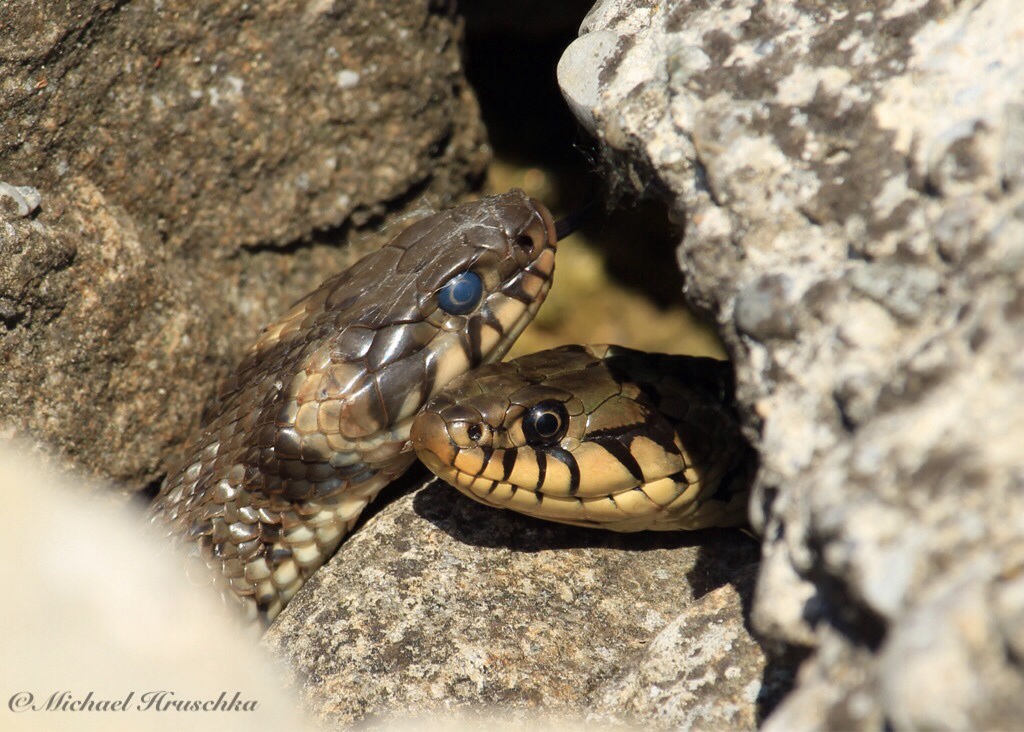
[704, 670]
[441, 605]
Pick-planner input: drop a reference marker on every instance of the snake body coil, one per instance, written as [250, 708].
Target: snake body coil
[598, 436]
[315, 419]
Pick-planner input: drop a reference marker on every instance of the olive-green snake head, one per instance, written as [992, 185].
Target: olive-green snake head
[598, 436]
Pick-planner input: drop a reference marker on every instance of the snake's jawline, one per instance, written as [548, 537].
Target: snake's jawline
[449, 474]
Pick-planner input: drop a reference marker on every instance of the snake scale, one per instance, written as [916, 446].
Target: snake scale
[316, 418]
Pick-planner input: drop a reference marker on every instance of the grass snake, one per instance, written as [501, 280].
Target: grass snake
[316, 418]
[599, 436]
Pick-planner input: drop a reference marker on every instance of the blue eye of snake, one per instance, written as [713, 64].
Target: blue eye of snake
[460, 294]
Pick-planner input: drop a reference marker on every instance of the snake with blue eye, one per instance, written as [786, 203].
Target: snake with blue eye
[316, 418]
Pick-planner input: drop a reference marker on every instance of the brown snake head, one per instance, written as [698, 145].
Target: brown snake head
[597, 436]
[315, 419]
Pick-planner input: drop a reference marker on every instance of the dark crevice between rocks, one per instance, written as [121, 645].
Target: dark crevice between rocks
[782, 662]
[779, 677]
[511, 67]
[529, 124]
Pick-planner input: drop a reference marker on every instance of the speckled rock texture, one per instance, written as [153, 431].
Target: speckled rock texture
[704, 670]
[194, 168]
[851, 182]
[441, 605]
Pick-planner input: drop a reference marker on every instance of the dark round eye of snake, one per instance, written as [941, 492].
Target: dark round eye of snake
[461, 293]
[546, 423]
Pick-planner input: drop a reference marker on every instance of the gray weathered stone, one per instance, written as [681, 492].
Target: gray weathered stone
[702, 671]
[852, 185]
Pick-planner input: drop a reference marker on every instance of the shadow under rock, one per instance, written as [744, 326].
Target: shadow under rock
[781, 664]
[722, 551]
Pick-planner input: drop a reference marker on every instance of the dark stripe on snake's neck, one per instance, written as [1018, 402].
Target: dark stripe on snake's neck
[565, 457]
[662, 435]
[649, 391]
[514, 289]
[679, 478]
[612, 433]
[535, 269]
[508, 462]
[466, 346]
[621, 453]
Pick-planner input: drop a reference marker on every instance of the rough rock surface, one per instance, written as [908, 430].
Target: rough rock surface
[851, 181]
[178, 155]
[702, 671]
[439, 604]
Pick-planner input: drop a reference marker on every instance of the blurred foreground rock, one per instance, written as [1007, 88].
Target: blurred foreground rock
[96, 611]
[852, 188]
